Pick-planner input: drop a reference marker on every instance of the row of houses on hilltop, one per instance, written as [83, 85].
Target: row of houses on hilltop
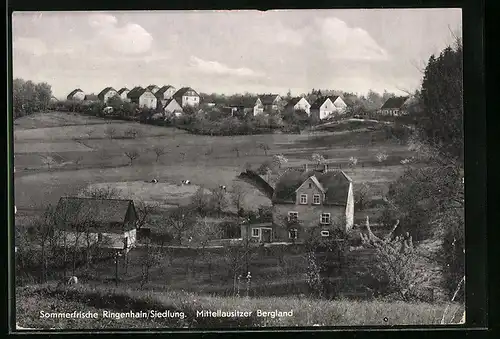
[168, 99]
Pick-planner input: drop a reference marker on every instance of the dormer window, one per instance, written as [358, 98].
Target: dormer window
[303, 199]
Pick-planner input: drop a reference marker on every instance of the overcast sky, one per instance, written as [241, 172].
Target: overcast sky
[230, 51]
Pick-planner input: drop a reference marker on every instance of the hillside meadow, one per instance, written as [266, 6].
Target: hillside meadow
[60, 154]
[306, 312]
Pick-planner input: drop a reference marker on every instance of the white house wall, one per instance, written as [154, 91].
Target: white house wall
[79, 96]
[303, 105]
[148, 99]
[349, 210]
[124, 97]
[109, 95]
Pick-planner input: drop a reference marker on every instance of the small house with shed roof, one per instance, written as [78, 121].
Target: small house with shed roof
[107, 93]
[245, 104]
[76, 94]
[108, 222]
[394, 106]
[303, 200]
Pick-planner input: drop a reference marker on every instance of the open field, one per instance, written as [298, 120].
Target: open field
[62, 159]
[306, 312]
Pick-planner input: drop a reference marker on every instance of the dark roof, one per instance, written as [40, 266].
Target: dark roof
[245, 102]
[91, 97]
[169, 101]
[73, 92]
[317, 104]
[136, 92]
[396, 102]
[335, 182]
[268, 99]
[293, 101]
[104, 91]
[180, 93]
[162, 90]
[150, 87]
[123, 90]
[106, 212]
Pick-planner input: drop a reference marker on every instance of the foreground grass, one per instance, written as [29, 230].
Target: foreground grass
[30, 300]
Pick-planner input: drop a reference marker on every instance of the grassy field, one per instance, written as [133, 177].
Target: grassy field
[60, 154]
[305, 312]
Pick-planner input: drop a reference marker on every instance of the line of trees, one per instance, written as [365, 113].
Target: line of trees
[29, 97]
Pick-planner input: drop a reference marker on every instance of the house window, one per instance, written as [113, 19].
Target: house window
[310, 185]
[292, 233]
[303, 199]
[325, 218]
[316, 199]
[293, 215]
[325, 233]
[255, 232]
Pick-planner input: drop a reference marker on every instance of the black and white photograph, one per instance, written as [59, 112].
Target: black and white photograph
[238, 169]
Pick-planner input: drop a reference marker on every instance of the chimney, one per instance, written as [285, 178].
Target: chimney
[325, 170]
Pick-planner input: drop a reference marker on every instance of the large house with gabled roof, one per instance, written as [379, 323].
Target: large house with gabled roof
[165, 93]
[123, 92]
[186, 96]
[76, 94]
[107, 94]
[270, 102]
[325, 107]
[153, 88]
[109, 223]
[299, 104]
[320, 201]
[142, 97]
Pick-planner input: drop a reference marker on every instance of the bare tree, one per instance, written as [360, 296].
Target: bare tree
[264, 147]
[110, 132]
[144, 212]
[202, 233]
[361, 196]
[238, 195]
[180, 222]
[159, 151]
[150, 258]
[219, 200]
[44, 228]
[132, 155]
[200, 201]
